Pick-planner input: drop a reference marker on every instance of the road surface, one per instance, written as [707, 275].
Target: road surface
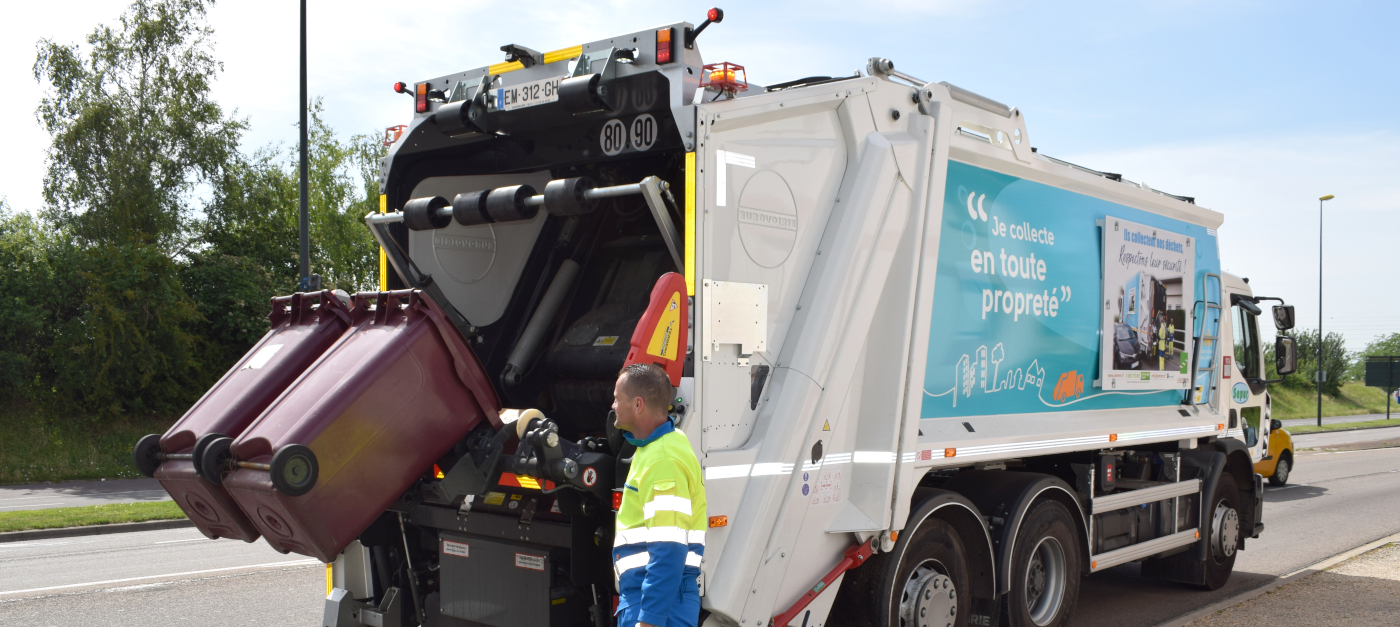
[1337, 501]
[79, 493]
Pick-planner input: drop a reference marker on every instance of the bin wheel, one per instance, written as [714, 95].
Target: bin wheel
[294, 470]
[147, 454]
[201, 444]
[214, 460]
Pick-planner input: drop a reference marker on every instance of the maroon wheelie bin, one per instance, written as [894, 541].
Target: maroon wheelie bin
[329, 456]
[303, 325]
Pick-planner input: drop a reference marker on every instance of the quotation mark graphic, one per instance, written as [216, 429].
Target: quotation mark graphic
[978, 213]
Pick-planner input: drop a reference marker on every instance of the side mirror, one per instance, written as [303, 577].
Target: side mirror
[1283, 317]
[1251, 436]
[1275, 425]
[1285, 352]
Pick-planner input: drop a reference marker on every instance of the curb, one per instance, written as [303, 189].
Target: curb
[1284, 580]
[93, 530]
[1304, 435]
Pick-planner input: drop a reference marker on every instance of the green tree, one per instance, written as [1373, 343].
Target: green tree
[134, 132]
[1383, 345]
[251, 233]
[254, 211]
[1336, 362]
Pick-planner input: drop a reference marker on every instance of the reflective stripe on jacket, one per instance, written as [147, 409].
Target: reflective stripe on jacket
[660, 531]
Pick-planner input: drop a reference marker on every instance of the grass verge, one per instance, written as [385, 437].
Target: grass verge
[1345, 426]
[36, 448]
[1290, 403]
[90, 515]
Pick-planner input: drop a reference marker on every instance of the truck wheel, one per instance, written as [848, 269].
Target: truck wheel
[1045, 565]
[931, 580]
[1223, 533]
[1282, 469]
[923, 582]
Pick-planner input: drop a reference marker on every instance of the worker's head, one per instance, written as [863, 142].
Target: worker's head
[641, 397]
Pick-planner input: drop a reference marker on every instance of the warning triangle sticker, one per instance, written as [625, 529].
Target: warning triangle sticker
[826, 426]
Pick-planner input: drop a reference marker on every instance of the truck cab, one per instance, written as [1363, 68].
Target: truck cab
[1243, 374]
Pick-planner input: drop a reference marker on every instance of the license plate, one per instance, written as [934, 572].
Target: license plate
[524, 95]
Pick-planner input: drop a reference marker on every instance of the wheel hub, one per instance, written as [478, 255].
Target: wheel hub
[1045, 581]
[929, 599]
[1225, 531]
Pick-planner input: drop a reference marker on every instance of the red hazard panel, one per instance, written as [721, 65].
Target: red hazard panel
[661, 333]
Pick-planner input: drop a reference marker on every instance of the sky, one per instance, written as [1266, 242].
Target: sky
[1254, 108]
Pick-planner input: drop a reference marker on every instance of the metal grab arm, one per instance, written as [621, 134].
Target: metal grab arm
[597, 193]
[655, 191]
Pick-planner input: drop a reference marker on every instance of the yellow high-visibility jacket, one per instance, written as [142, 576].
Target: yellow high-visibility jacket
[660, 533]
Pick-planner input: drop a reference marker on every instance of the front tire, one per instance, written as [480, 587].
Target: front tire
[1045, 567]
[1223, 533]
[1282, 470]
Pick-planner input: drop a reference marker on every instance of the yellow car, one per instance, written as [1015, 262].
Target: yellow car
[1278, 464]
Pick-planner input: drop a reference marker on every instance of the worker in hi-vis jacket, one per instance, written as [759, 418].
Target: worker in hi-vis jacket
[661, 522]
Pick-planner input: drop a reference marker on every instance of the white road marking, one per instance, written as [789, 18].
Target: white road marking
[30, 505]
[82, 496]
[185, 540]
[306, 562]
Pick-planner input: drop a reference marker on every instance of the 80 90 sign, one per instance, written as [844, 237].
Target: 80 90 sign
[640, 135]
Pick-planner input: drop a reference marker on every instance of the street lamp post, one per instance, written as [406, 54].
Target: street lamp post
[1320, 337]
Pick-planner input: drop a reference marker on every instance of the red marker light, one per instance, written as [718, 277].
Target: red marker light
[617, 499]
[715, 14]
[663, 46]
[400, 87]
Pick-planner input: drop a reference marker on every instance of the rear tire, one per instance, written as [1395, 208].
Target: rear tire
[1045, 567]
[1282, 470]
[1223, 532]
[924, 582]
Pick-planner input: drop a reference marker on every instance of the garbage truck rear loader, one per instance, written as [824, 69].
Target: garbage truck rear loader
[898, 333]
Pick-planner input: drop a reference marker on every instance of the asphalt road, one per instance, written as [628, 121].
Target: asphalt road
[1337, 501]
[79, 493]
[174, 577]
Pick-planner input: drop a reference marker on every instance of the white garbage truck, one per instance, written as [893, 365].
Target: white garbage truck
[933, 375]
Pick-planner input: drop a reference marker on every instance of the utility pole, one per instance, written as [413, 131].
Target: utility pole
[309, 282]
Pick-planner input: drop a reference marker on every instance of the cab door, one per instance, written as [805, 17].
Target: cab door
[1242, 375]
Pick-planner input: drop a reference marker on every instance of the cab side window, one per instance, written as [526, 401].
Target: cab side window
[1246, 343]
